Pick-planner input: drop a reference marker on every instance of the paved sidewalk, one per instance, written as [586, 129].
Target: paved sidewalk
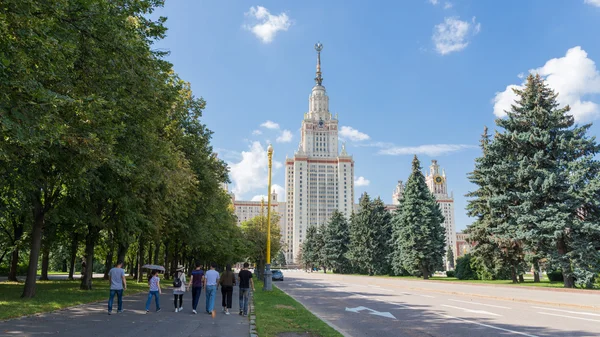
[93, 320]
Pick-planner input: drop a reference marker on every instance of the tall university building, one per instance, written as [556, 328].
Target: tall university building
[320, 178]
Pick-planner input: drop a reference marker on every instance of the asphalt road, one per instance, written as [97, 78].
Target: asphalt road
[93, 320]
[361, 306]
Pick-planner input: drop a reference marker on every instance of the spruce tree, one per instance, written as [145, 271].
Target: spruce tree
[419, 234]
[360, 250]
[547, 182]
[310, 253]
[450, 258]
[490, 259]
[381, 224]
[336, 236]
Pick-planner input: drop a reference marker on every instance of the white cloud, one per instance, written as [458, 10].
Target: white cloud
[452, 35]
[257, 132]
[352, 134]
[285, 137]
[433, 2]
[361, 181]
[574, 77]
[267, 25]
[429, 150]
[592, 2]
[250, 172]
[447, 5]
[270, 125]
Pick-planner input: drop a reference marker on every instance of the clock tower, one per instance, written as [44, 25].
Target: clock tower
[436, 182]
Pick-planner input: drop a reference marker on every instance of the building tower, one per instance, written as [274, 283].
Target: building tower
[319, 178]
[398, 193]
[436, 182]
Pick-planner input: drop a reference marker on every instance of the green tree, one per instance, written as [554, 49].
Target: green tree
[336, 236]
[311, 255]
[255, 239]
[361, 245]
[420, 241]
[547, 183]
[450, 258]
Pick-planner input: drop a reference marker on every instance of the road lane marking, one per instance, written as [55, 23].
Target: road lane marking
[471, 310]
[580, 318]
[487, 305]
[490, 326]
[569, 312]
[428, 296]
[372, 312]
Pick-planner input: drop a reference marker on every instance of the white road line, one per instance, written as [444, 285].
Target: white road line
[580, 318]
[487, 305]
[569, 312]
[471, 310]
[490, 326]
[428, 296]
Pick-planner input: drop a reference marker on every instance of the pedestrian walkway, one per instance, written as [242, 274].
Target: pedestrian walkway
[93, 320]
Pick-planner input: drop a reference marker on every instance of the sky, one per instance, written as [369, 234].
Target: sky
[405, 77]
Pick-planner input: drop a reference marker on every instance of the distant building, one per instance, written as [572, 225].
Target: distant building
[462, 246]
[246, 210]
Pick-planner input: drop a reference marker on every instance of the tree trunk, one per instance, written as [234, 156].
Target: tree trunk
[140, 271]
[150, 251]
[122, 252]
[14, 262]
[108, 264]
[513, 274]
[45, 261]
[521, 278]
[536, 271]
[156, 252]
[569, 281]
[74, 245]
[63, 266]
[167, 270]
[90, 242]
[39, 217]
[425, 272]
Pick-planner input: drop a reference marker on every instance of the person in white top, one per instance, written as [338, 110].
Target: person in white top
[178, 288]
[211, 284]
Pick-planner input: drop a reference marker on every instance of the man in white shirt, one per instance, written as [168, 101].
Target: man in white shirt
[211, 284]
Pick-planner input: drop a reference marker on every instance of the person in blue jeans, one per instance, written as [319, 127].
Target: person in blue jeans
[154, 284]
[196, 285]
[211, 284]
[116, 278]
[245, 281]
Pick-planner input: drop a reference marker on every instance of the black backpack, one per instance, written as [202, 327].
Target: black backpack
[177, 281]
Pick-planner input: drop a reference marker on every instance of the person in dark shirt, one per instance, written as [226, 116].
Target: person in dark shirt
[196, 285]
[245, 281]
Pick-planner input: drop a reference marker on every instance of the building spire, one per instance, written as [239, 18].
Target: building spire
[318, 48]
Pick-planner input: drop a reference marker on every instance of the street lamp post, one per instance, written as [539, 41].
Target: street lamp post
[268, 275]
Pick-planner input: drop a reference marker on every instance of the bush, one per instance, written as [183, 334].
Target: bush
[450, 273]
[555, 276]
[463, 269]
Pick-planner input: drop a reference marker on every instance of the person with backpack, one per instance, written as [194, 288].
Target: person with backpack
[211, 284]
[227, 282]
[178, 288]
[154, 284]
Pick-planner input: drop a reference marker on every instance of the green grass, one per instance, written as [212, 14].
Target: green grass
[54, 295]
[277, 313]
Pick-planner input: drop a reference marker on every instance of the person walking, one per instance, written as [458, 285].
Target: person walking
[154, 284]
[211, 285]
[227, 282]
[196, 285]
[178, 288]
[245, 281]
[118, 283]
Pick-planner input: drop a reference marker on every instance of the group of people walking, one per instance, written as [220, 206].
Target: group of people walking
[210, 281]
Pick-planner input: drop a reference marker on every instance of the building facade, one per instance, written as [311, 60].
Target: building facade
[462, 246]
[319, 178]
[246, 210]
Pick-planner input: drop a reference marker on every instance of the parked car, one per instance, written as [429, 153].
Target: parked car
[277, 275]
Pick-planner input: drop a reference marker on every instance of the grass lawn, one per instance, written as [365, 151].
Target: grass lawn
[277, 313]
[53, 295]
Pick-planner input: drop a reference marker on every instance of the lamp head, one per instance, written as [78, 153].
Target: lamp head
[270, 149]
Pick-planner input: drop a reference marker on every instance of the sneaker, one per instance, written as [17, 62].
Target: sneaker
[241, 313]
[147, 311]
[226, 312]
[119, 311]
[245, 315]
[176, 310]
[194, 311]
[158, 310]
[223, 310]
[180, 308]
[110, 312]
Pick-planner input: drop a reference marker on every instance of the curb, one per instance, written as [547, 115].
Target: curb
[252, 316]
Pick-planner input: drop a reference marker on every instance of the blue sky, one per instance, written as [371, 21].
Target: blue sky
[405, 77]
